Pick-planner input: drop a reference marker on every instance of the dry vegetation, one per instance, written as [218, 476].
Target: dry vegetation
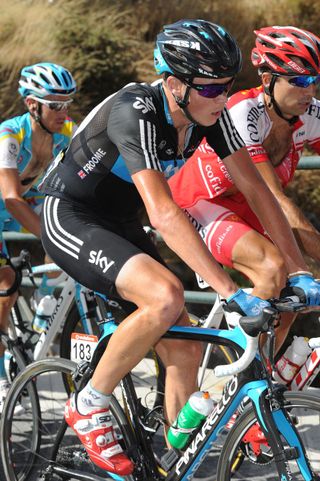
[106, 43]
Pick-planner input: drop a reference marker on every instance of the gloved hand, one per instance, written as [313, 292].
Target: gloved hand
[245, 304]
[305, 287]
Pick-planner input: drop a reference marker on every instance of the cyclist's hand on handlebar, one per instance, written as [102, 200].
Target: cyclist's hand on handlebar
[305, 286]
[245, 304]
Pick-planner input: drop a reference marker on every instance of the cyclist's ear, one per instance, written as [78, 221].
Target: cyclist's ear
[31, 105]
[174, 85]
[266, 79]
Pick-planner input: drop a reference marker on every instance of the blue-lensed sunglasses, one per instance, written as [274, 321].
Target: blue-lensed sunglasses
[303, 81]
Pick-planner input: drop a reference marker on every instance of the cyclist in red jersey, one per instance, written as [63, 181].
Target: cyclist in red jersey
[275, 120]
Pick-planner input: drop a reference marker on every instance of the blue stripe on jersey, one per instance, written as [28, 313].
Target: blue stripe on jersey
[166, 107]
[120, 170]
[168, 167]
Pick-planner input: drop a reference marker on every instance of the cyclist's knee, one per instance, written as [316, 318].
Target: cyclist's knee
[272, 272]
[167, 302]
[7, 277]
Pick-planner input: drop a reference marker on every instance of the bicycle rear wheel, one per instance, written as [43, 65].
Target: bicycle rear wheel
[246, 441]
[36, 443]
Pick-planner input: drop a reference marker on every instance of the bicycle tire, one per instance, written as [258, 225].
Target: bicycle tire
[256, 456]
[35, 437]
[148, 376]
[17, 429]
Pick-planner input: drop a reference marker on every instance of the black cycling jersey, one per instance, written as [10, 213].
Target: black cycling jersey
[128, 132]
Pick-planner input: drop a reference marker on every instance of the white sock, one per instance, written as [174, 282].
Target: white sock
[89, 399]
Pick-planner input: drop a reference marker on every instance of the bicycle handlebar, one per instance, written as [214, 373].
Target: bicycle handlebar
[314, 342]
[244, 361]
[17, 264]
[54, 281]
[252, 327]
[45, 268]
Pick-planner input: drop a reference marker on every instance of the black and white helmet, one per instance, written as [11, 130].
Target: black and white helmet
[197, 48]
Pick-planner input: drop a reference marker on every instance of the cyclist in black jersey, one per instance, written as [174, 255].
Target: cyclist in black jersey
[117, 162]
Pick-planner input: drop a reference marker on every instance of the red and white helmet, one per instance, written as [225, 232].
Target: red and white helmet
[278, 48]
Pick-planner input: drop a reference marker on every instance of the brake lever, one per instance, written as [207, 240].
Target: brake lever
[288, 304]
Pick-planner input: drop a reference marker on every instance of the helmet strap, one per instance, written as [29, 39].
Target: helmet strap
[269, 89]
[182, 103]
[189, 116]
[36, 115]
[273, 103]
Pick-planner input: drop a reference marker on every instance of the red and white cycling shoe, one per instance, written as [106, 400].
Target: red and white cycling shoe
[95, 432]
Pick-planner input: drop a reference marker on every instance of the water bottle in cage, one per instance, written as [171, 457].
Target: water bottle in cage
[293, 358]
[193, 413]
[44, 311]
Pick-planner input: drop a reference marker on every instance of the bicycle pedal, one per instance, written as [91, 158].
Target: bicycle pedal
[169, 459]
[153, 419]
[291, 453]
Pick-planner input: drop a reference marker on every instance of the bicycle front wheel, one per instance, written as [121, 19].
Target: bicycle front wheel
[36, 442]
[246, 453]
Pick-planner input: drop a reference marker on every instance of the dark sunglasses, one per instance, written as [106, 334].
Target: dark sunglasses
[53, 104]
[304, 81]
[211, 91]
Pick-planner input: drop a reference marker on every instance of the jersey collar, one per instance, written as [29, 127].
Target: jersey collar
[166, 106]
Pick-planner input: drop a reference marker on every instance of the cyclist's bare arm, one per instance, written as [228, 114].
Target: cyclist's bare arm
[306, 234]
[178, 232]
[11, 192]
[264, 204]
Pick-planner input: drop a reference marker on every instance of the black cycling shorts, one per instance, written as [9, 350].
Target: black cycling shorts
[88, 247]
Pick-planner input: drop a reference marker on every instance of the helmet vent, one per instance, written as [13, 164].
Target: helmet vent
[56, 78]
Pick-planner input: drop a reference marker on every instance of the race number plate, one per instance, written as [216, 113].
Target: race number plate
[82, 346]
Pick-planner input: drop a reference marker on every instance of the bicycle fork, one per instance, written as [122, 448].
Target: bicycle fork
[273, 420]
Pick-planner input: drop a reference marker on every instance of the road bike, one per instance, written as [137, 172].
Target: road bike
[38, 441]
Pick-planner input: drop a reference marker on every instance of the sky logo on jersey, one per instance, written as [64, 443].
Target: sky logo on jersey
[145, 105]
[103, 262]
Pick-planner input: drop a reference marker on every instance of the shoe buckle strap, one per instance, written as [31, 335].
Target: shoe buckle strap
[112, 451]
